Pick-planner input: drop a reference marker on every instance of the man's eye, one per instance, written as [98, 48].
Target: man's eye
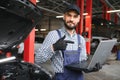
[68, 14]
[75, 16]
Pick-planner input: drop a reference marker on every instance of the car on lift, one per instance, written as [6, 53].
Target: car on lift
[105, 28]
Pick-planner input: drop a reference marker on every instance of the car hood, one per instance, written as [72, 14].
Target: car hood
[17, 19]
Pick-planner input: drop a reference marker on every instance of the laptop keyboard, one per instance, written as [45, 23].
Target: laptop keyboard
[83, 64]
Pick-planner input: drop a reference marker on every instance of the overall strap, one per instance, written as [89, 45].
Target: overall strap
[79, 43]
[59, 34]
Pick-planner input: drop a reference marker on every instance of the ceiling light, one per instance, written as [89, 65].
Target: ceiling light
[37, 0]
[42, 29]
[36, 29]
[59, 16]
[85, 14]
[113, 11]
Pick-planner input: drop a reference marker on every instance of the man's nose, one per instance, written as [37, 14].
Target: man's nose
[71, 18]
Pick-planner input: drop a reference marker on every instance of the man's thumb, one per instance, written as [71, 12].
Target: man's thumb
[63, 37]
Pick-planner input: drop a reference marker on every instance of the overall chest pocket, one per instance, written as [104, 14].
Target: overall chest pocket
[71, 57]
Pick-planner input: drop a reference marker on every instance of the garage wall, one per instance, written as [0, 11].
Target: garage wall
[48, 23]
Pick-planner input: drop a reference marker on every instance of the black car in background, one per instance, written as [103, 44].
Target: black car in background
[105, 28]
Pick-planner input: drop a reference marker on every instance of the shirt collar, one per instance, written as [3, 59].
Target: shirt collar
[65, 31]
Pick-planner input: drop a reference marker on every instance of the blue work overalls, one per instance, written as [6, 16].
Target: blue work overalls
[68, 59]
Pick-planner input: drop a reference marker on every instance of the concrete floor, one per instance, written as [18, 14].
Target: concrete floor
[109, 71]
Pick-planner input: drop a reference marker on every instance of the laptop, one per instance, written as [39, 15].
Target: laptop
[100, 56]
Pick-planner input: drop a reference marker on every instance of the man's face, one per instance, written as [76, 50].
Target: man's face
[71, 19]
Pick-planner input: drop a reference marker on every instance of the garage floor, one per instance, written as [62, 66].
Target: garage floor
[110, 71]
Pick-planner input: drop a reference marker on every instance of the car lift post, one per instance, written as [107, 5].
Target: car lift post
[88, 22]
[115, 18]
[106, 15]
[79, 29]
[29, 45]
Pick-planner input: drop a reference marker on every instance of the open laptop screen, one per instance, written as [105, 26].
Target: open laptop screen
[102, 52]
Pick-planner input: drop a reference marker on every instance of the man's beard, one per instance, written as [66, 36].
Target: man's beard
[68, 27]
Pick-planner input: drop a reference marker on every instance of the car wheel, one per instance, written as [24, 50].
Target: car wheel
[116, 34]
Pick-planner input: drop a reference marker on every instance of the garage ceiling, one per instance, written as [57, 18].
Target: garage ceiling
[56, 7]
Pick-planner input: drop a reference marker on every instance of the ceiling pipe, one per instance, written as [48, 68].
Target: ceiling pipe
[49, 10]
[52, 11]
[66, 2]
[58, 5]
[108, 3]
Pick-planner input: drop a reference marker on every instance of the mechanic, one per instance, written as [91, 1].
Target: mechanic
[64, 46]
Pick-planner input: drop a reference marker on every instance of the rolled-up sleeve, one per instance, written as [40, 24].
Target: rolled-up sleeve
[45, 52]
